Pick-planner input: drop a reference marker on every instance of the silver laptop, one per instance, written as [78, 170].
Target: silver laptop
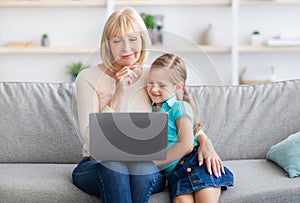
[128, 136]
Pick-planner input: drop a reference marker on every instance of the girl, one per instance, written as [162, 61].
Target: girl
[187, 180]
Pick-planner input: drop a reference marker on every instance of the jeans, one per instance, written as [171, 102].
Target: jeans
[120, 185]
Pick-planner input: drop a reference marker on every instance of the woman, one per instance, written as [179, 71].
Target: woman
[118, 84]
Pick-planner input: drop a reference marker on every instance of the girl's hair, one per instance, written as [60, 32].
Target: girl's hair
[120, 23]
[178, 73]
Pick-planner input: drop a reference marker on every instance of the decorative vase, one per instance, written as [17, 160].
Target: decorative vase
[209, 36]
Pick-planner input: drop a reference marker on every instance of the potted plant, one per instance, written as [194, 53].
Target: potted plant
[75, 68]
[154, 27]
[45, 40]
[149, 21]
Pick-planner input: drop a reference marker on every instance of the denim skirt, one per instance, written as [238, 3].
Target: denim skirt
[188, 176]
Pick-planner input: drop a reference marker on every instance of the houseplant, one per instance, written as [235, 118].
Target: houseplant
[154, 26]
[75, 68]
[149, 20]
[45, 40]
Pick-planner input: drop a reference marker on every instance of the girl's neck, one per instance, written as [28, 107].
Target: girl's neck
[158, 106]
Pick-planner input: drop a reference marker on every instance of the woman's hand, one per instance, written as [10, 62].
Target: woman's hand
[125, 77]
[207, 153]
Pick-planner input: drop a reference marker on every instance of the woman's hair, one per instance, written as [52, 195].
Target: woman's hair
[178, 73]
[122, 22]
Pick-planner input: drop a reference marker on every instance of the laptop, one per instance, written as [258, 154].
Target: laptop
[116, 136]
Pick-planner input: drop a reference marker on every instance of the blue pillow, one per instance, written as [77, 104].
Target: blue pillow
[287, 154]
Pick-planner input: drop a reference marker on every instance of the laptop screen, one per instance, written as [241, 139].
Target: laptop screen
[128, 136]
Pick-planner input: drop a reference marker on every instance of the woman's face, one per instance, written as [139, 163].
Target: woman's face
[126, 49]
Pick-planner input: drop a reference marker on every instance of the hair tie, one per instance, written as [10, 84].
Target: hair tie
[184, 88]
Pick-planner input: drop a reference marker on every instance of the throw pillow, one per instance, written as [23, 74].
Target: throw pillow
[287, 154]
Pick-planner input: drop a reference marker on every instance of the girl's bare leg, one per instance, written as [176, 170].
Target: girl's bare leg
[186, 198]
[208, 195]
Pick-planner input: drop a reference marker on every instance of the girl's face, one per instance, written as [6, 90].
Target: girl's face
[160, 86]
[126, 50]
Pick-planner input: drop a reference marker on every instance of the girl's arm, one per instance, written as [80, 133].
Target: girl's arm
[185, 144]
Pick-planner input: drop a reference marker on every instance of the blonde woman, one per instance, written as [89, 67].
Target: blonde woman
[118, 84]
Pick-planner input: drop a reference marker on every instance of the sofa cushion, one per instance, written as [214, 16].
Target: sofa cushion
[260, 180]
[40, 183]
[287, 155]
[37, 123]
[47, 183]
[255, 181]
[245, 121]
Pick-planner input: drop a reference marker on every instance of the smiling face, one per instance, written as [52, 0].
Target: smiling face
[167, 75]
[124, 33]
[126, 50]
[160, 86]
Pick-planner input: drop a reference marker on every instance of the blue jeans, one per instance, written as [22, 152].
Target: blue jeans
[115, 186]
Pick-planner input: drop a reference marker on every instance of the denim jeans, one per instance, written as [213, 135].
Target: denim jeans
[115, 186]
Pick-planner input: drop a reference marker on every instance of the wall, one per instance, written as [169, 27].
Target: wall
[83, 27]
[70, 27]
[184, 26]
[270, 20]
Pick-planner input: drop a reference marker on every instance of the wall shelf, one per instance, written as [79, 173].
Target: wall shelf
[250, 2]
[89, 50]
[194, 49]
[46, 50]
[259, 49]
[54, 3]
[172, 2]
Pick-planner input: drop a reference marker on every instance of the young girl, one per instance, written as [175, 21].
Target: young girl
[187, 180]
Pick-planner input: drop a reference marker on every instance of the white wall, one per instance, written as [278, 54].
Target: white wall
[83, 27]
[270, 20]
[70, 27]
[185, 25]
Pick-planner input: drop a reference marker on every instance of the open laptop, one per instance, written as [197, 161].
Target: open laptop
[128, 136]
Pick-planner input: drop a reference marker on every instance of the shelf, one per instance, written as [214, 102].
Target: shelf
[258, 49]
[194, 49]
[54, 3]
[47, 50]
[250, 2]
[89, 50]
[172, 2]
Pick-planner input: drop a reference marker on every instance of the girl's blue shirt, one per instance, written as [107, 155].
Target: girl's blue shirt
[175, 109]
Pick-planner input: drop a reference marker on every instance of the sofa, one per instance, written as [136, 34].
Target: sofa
[40, 145]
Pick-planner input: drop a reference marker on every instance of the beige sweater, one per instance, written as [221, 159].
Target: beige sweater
[94, 92]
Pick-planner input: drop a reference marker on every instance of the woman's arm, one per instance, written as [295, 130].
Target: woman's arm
[207, 152]
[87, 102]
[185, 144]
